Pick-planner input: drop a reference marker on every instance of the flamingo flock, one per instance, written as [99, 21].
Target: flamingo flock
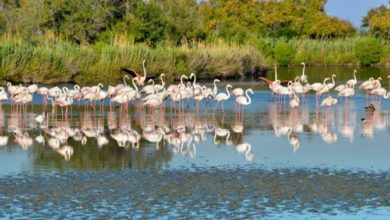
[150, 95]
[301, 86]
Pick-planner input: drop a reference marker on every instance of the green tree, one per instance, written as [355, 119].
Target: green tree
[283, 53]
[184, 20]
[368, 51]
[378, 22]
[145, 20]
[81, 21]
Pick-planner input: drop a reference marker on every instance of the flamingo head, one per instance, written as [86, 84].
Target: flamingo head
[379, 78]
[229, 86]
[217, 80]
[250, 91]
[304, 64]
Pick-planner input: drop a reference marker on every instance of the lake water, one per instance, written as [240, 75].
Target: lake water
[272, 162]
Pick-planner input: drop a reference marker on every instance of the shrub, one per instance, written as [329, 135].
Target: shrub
[368, 51]
[283, 53]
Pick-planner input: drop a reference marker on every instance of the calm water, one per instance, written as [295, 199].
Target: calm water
[271, 162]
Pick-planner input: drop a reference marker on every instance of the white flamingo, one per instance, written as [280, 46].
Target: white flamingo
[244, 100]
[352, 82]
[303, 77]
[221, 97]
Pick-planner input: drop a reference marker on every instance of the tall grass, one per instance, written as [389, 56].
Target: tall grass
[321, 52]
[59, 62]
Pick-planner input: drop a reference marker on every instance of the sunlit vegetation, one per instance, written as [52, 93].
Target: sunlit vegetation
[88, 41]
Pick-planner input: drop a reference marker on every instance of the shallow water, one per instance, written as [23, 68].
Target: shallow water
[285, 163]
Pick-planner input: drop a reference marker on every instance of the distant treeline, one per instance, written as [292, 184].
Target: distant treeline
[153, 21]
[88, 41]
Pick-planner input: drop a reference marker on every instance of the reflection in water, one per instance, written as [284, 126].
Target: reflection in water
[140, 139]
[325, 123]
[84, 132]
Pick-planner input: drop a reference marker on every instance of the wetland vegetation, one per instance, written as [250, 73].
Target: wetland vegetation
[89, 41]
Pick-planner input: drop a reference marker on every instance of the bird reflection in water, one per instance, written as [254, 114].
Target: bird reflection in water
[373, 120]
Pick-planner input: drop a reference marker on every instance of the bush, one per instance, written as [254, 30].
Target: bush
[368, 51]
[283, 53]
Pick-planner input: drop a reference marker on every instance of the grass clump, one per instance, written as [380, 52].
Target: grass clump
[368, 51]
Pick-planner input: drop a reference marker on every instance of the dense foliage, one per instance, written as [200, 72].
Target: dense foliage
[369, 51]
[283, 53]
[87, 40]
[153, 21]
[378, 22]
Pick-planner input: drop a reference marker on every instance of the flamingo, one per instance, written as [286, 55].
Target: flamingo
[328, 101]
[159, 87]
[340, 87]
[149, 89]
[32, 88]
[3, 94]
[303, 77]
[138, 78]
[215, 89]
[317, 87]
[238, 91]
[221, 97]
[330, 86]
[366, 84]
[54, 91]
[352, 82]
[244, 100]
[347, 92]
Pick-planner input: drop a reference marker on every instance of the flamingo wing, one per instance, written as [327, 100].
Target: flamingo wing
[265, 80]
[133, 73]
[150, 77]
[269, 82]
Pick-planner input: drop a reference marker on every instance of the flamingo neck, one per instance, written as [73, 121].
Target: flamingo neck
[276, 74]
[135, 86]
[143, 65]
[194, 83]
[249, 98]
[304, 67]
[215, 88]
[325, 81]
[227, 91]
[162, 81]
[124, 80]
